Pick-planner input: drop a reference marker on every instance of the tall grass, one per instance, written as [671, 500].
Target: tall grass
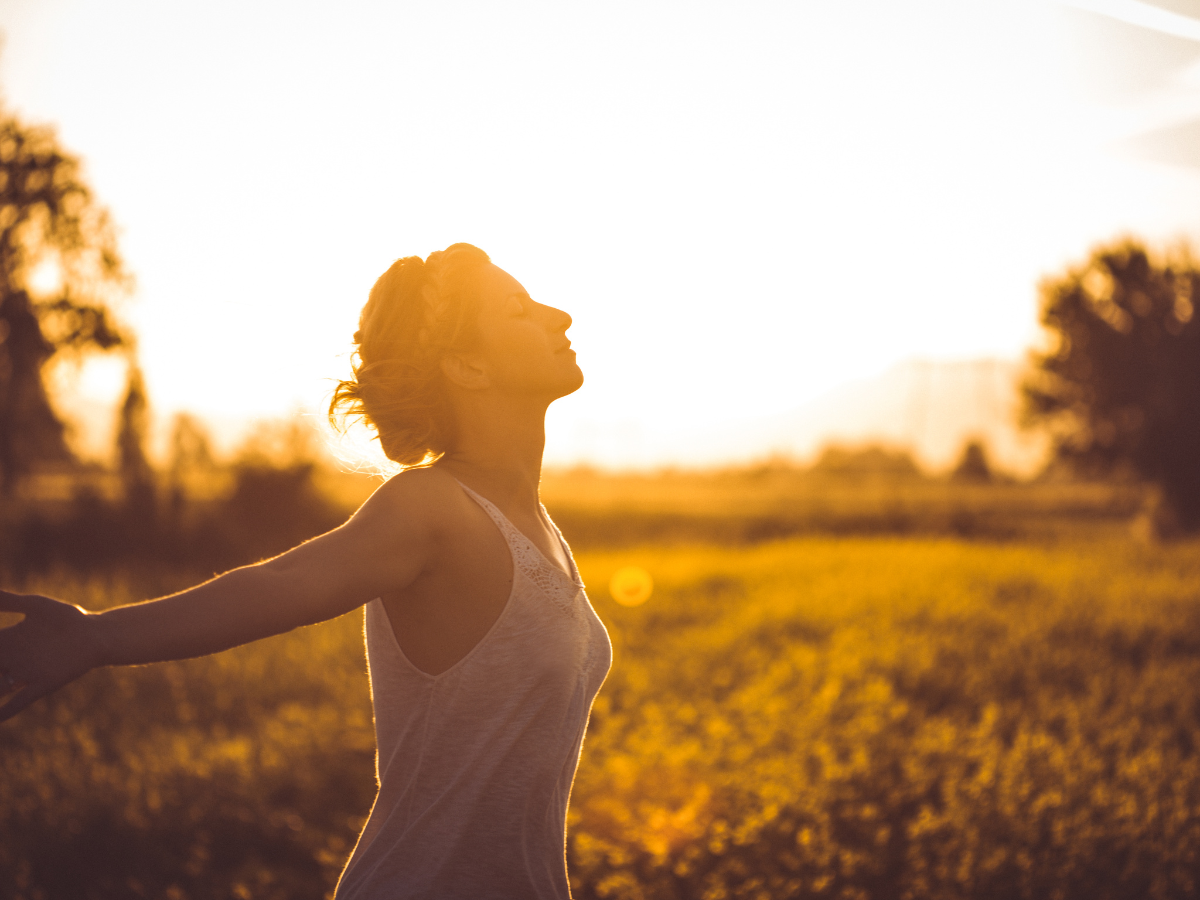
[244, 774]
[872, 718]
[897, 719]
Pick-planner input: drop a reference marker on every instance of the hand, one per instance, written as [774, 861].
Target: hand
[52, 646]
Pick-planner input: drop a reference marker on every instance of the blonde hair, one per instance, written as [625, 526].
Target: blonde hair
[416, 311]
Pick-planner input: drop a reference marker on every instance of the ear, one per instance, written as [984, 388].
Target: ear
[465, 372]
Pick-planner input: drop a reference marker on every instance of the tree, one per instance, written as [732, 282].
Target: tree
[1120, 388]
[133, 425]
[59, 274]
[973, 465]
[192, 460]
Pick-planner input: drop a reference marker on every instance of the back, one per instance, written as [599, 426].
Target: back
[475, 764]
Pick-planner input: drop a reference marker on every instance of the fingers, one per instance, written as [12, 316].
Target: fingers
[19, 701]
[41, 653]
[10, 602]
[45, 608]
[21, 603]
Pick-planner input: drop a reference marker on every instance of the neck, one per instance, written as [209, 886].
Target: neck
[498, 450]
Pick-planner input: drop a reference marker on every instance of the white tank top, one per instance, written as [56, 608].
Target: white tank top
[475, 764]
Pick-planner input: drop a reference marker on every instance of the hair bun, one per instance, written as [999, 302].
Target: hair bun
[415, 309]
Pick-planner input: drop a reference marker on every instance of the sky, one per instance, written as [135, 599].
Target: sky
[744, 207]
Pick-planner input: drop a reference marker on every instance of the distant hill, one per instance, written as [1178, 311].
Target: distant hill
[930, 408]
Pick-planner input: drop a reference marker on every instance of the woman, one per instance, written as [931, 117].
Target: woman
[484, 652]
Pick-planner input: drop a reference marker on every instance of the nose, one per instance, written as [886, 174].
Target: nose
[560, 319]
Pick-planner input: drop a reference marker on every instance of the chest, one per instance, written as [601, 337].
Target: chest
[440, 619]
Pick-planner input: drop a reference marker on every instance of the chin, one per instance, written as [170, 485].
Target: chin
[571, 385]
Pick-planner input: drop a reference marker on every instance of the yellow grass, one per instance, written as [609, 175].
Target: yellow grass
[875, 718]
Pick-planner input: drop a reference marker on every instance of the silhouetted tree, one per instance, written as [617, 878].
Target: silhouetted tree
[137, 476]
[1121, 387]
[275, 503]
[191, 463]
[59, 272]
[191, 450]
[973, 464]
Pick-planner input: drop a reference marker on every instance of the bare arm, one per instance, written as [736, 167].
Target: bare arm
[382, 548]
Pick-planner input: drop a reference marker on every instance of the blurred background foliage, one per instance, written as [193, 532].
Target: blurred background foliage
[60, 273]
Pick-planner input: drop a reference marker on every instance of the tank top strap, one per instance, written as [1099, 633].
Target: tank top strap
[558, 585]
[511, 535]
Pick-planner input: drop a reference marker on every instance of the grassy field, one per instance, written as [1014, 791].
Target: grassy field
[747, 505]
[750, 505]
[868, 717]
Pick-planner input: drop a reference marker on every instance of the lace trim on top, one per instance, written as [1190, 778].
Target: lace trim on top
[561, 588]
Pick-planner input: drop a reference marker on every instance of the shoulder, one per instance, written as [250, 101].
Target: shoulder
[426, 501]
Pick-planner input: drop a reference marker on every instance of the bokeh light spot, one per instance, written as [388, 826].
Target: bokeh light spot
[631, 586]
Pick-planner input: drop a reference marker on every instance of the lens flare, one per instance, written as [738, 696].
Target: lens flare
[631, 586]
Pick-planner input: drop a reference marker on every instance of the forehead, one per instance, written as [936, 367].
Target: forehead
[497, 285]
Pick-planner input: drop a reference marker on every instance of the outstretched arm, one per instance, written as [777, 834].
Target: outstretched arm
[382, 548]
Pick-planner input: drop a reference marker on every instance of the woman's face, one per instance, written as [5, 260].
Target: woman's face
[522, 344]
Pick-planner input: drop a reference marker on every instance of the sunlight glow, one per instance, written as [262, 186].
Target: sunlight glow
[46, 279]
[741, 209]
[631, 586]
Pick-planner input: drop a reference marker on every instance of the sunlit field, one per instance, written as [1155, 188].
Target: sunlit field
[750, 504]
[870, 717]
